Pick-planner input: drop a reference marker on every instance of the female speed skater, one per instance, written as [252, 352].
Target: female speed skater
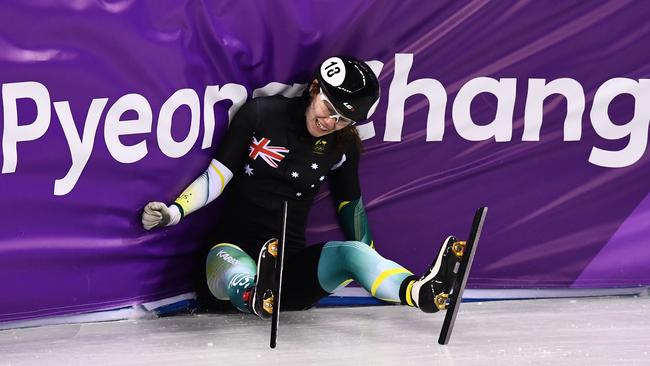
[282, 149]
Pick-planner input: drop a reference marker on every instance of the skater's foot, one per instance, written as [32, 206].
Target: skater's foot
[261, 297]
[431, 292]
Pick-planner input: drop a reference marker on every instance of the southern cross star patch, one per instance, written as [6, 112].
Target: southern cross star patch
[270, 154]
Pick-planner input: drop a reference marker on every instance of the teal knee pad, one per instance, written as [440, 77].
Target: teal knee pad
[342, 261]
[332, 271]
[230, 272]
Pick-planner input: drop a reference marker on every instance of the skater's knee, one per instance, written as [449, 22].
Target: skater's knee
[227, 252]
[358, 247]
[225, 256]
[227, 263]
[348, 252]
[230, 246]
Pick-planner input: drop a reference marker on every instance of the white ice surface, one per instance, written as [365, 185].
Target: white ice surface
[585, 331]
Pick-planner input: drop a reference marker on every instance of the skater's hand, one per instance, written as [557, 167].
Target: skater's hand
[155, 214]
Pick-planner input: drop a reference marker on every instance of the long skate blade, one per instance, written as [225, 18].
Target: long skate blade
[275, 318]
[456, 295]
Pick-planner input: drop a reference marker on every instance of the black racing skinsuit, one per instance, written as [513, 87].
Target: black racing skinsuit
[265, 175]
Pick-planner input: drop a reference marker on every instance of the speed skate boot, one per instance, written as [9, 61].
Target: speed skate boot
[261, 297]
[431, 292]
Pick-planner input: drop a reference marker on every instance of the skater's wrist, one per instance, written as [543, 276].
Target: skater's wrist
[175, 214]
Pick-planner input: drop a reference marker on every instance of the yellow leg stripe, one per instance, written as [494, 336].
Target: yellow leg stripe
[383, 276]
[223, 180]
[409, 298]
[345, 283]
[342, 204]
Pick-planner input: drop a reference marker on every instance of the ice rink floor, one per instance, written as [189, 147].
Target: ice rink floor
[584, 331]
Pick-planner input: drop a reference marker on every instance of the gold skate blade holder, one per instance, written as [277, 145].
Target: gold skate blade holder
[441, 301]
[459, 248]
[267, 304]
[273, 248]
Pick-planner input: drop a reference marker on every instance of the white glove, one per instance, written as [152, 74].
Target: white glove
[157, 214]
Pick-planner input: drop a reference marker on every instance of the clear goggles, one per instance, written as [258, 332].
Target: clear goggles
[333, 113]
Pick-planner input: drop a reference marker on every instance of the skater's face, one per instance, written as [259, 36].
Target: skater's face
[322, 118]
